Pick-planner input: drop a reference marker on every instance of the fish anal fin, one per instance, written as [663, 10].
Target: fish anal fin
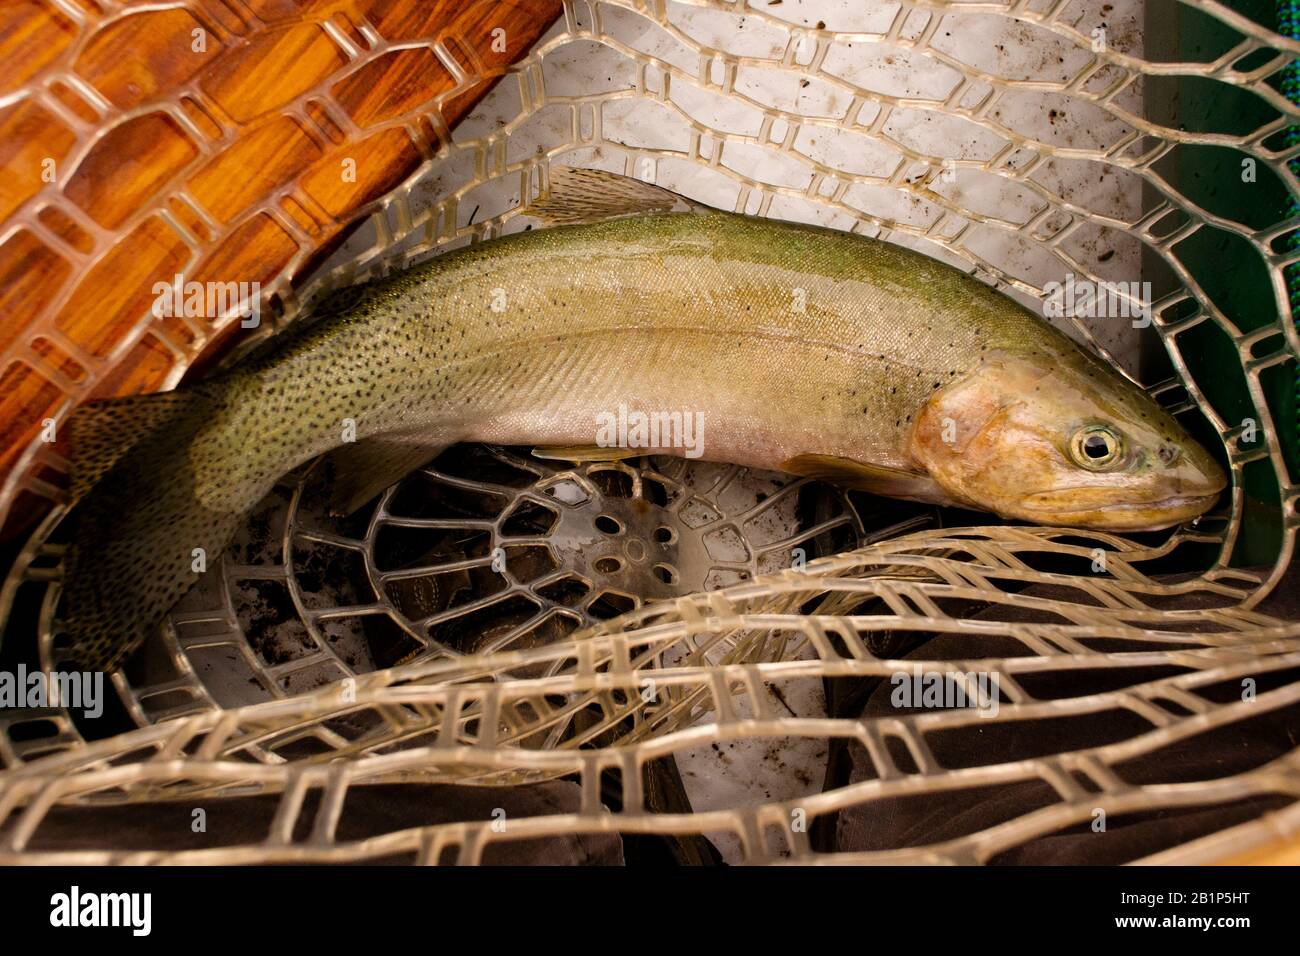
[581, 453]
[362, 469]
[876, 479]
[593, 195]
[100, 433]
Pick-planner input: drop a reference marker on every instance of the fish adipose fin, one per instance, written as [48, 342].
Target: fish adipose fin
[592, 195]
[876, 479]
[100, 433]
[580, 453]
[364, 468]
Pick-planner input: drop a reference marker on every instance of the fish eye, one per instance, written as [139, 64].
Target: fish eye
[1096, 447]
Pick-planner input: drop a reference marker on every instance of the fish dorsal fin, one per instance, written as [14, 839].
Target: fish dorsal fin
[877, 479]
[594, 195]
[100, 433]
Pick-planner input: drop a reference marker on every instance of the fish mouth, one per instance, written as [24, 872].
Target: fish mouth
[1150, 504]
[1149, 515]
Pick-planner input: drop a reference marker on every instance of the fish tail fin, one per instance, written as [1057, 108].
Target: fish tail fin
[141, 535]
[100, 433]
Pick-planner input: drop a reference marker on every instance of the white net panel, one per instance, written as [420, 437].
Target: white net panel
[1026, 141]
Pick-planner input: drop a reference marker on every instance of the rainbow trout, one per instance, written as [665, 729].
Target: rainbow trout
[795, 348]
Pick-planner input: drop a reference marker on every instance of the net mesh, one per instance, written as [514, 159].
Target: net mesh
[865, 117]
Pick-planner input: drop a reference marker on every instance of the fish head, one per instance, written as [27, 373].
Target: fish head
[1056, 437]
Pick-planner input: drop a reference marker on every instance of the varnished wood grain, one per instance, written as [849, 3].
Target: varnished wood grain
[202, 159]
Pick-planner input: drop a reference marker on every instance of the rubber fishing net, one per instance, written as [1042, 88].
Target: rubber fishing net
[625, 633]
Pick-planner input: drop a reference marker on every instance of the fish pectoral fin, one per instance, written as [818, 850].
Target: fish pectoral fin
[876, 479]
[581, 453]
[593, 195]
[362, 469]
[100, 433]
